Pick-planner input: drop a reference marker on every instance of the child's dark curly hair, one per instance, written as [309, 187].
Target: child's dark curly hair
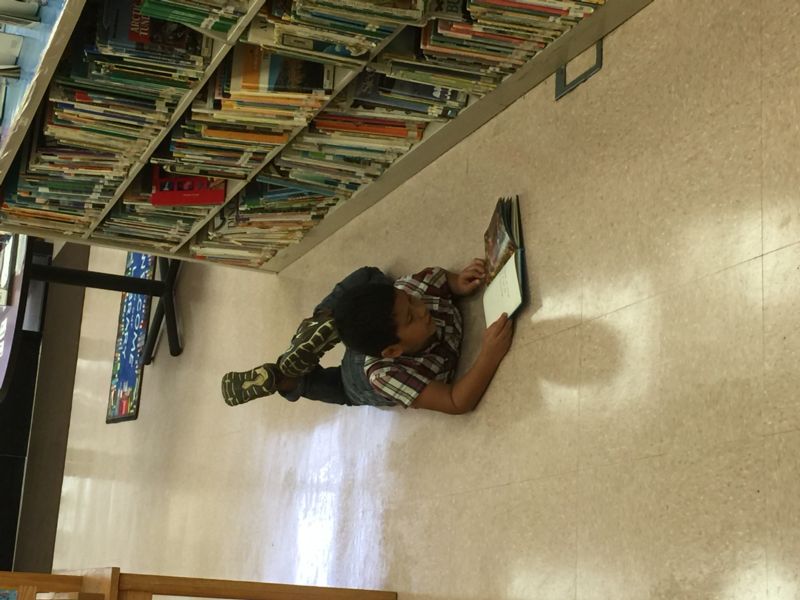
[364, 318]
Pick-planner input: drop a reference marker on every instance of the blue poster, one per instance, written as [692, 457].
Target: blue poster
[134, 317]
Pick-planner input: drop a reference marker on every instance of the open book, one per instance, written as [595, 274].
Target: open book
[505, 265]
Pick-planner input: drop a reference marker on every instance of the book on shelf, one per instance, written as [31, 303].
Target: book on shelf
[10, 71]
[402, 12]
[451, 10]
[404, 59]
[337, 33]
[131, 61]
[10, 47]
[112, 94]
[123, 27]
[256, 71]
[249, 107]
[206, 16]
[376, 90]
[272, 212]
[58, 189]
[505, 261]
[19, 12]
[170, 190]
[136, 220]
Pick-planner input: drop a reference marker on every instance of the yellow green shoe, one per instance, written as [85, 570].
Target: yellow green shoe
[314, 337]
[241, 387]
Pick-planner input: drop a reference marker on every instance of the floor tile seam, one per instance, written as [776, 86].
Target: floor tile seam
[780, 248]
[773, 76]
[688, 453]
[403, 501]
[761, 191]
[773, 434]
[550, 334]
[591, 467]
[674, 288]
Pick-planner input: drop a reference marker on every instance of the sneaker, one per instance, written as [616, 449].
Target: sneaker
[238, 388]
[314, 337]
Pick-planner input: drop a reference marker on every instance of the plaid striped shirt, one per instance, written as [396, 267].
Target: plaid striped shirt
[402, 379]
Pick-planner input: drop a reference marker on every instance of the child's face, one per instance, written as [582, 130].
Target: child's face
[415, 324]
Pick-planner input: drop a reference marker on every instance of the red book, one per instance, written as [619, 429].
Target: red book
[185, 190]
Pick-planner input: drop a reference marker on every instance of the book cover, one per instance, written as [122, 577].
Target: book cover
[170, 190]
[255, 70]
[505, 268]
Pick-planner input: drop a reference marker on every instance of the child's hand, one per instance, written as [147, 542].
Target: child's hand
[497, 339]
[469, 279]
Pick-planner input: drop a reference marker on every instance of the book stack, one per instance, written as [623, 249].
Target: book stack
[106, 104]
[206, 16]
[473, 51]
[431, 102]
[327, 31]
[467, 45]
[271, 213]
[136, 221]
[139, 219]
[345, 147]
[501, 35]
[47, 197]
[248, 109]
[402, 59]
[342, 151]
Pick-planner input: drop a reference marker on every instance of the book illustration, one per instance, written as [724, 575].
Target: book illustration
[255, 70]
[498, 242]
[123, 24]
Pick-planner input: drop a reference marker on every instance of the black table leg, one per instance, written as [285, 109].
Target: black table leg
[164, 288]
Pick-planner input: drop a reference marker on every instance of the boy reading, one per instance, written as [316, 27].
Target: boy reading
[402, 340]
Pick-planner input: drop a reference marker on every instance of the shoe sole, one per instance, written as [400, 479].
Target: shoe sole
[235, 388]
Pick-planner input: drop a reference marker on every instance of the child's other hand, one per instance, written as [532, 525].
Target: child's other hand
[470, 278]
[497, 338]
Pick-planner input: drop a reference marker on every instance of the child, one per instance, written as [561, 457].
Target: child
[402, 342]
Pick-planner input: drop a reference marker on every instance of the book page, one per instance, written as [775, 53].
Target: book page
[502, 295]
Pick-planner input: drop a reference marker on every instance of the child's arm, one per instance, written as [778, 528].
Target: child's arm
[463, 395]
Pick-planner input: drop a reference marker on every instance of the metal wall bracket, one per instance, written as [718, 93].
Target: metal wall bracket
[563, 88]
